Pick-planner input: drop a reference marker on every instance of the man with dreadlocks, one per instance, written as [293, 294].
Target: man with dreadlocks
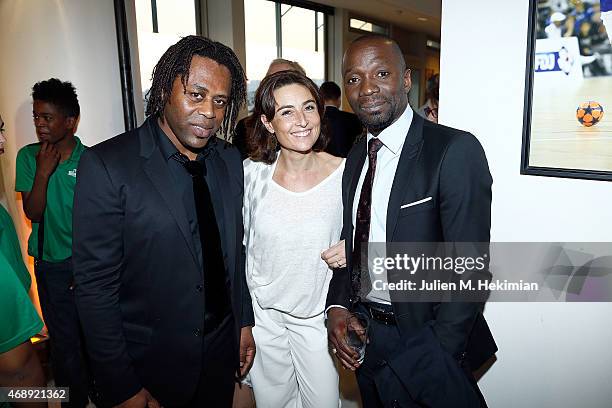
[158, 256]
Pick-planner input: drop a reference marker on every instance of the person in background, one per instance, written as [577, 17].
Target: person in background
[432, 95]
[46, 175]
[159, 264]
[556, 28]
[558, 5]
[245, 126]
[343, 127]
[606, 16]
[19, 363]
[589, 39]
[580, 12]
[292, 212]
[281, 64]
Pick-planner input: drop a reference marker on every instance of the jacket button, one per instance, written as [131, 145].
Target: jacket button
[199, 288]
[197, 332]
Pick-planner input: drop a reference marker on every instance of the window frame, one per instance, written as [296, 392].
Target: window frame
[370, 20]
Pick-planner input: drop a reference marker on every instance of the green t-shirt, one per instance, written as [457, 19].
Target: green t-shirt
[18, 318]
[9, 247]
[60, 194]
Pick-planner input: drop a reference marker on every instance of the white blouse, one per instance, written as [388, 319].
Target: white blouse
[284, 235]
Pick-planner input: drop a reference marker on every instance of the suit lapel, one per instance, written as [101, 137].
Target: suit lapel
[216, 170]
[405, 169]
[155, 167]
[355, 164]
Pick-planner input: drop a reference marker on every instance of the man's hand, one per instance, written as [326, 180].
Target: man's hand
[337, 318]
[140, 400]
[247, 350]
[47, 160]
[335, 256]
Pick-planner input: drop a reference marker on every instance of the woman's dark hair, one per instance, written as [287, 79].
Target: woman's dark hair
[60, 94]
[261, 143]
[176, 62]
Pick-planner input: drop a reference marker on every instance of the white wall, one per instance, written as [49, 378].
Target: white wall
[73, 40]
[70, 39]
[225, 23]
[551, 354]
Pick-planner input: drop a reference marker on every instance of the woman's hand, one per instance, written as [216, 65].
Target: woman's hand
[335, 256]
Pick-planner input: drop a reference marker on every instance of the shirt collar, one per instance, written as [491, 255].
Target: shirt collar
[78, 149]
[168, 149]
[394, 135]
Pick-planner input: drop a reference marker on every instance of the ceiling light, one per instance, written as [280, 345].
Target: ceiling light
[421, 19]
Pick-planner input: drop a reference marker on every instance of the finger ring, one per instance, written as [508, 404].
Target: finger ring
[334, 350]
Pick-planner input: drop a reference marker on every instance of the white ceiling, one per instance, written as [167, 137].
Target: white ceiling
[404, 13]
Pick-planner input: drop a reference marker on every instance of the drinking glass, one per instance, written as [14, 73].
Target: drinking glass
[357, 333]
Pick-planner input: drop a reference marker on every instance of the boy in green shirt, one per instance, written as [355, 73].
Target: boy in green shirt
[45, 176]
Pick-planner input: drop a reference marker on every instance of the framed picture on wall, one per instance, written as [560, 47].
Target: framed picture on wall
[567, 125]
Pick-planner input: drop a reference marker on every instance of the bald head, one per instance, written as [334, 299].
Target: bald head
[281, 64]
[376, 81]
[378, 40]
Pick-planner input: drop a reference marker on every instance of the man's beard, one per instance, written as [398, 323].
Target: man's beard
[378, 121]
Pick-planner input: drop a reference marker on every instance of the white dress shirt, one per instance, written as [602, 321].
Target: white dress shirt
[387, 159]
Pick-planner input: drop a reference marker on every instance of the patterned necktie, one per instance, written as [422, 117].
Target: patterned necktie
[360, 272]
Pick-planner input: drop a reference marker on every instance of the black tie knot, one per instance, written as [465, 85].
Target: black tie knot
[374, 146]
[194, 167]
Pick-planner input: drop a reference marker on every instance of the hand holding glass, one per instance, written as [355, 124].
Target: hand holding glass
[357, 333]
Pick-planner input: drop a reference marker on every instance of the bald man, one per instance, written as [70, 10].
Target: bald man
[409, 181]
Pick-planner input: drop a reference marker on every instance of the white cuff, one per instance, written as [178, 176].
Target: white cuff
[329, 307]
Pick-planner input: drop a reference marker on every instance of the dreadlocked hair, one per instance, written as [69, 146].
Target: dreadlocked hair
[176, 62]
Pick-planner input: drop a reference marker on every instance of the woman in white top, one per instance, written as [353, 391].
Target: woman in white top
[292, 214]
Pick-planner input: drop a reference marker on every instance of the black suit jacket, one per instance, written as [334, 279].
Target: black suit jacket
[450, 166]
[244, 129]
[343, 129]
[137, 276]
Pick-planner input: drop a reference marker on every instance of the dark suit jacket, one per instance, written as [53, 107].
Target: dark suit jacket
[450, 166]
[343, 129]
[244, 129]
[137, 277]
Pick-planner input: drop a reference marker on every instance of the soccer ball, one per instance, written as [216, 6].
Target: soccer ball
[589, 113]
